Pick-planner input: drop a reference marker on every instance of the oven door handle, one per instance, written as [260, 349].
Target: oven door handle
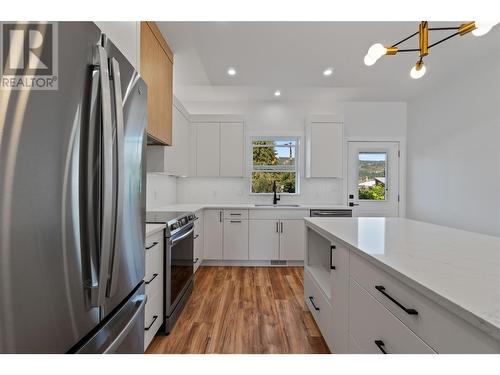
[187, 234]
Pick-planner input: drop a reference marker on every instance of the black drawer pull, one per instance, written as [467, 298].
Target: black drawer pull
[153, 322]
[312, 301]
[196, 260]
[153, 245]
[381, 289]
[380, 344]
[154, 275]
[333, 247]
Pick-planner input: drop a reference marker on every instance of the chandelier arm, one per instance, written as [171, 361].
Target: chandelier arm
[404, 40]
[444, 28]
[444, 39]
[409, 50]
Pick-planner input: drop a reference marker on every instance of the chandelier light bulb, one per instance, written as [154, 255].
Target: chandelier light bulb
[482, 28]
[418, 71]
[375, 52]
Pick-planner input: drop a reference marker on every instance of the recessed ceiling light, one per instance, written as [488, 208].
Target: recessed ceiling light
[328, 72]
[231, 71]
[277, 93]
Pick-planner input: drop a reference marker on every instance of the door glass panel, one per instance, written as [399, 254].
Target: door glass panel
[372, 174]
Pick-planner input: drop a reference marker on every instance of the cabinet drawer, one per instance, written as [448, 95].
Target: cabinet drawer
[318, 305]
[371, 323]
[153, 317]
[154, 266]
[275, 213]
[235, 214]
[441, 329]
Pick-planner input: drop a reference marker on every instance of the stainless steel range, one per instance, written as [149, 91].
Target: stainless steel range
[178, 262]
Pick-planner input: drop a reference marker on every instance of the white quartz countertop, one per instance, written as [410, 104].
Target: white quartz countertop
[193, 207]
[153, 228]
[457, 269]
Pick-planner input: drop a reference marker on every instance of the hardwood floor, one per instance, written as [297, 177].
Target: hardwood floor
[244, 310]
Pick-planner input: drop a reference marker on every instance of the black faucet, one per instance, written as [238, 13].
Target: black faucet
[276, 198]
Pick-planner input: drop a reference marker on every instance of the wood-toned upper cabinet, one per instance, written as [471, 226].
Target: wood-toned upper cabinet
[157, 66]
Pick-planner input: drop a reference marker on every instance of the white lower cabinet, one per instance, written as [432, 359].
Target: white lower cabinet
[339, 277]
[264, 240]
[198, 240]
[276, 239]
[235, 245]
[213, 227]
[292, 239]
[376, 330]
[153, 279]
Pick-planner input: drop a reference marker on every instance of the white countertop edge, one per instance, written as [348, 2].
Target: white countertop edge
[487, 327]
[244, 206]
[154, 228]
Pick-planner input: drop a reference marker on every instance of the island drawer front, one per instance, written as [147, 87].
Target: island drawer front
[153, 309]
[444, 331]
[323, 316]
[371, 322]
[276, 213]
[236, 214]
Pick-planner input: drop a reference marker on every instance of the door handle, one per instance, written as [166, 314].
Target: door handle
[281, 225]
[149, 282]
[126, 330]
[98, 292]
[333, 247]
[117, 85]
[151, 246]
[314, 305]
[277, 227]
[381, 289]
[151, 324]
[351, 204]
[380, 344]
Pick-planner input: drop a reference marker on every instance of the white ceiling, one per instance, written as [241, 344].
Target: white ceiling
[291, 56]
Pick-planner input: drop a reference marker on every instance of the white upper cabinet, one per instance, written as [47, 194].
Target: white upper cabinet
[231, 149]
[219, 148]
[126, 37]
[324, 147]
[207, 149]
[177, 155]
[173, 160]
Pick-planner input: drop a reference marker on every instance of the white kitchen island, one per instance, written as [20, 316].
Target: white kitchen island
[395, 285]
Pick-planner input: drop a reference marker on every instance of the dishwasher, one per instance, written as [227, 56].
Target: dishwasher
[331, 213]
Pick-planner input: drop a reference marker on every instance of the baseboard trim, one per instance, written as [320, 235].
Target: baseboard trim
[250, 263]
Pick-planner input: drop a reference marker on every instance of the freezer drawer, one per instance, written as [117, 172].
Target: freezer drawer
[123, 332]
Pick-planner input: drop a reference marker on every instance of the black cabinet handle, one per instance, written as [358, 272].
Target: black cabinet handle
[312, 301]
[333, 247]
[196, 260]
[153, 322]
[381, 289]
[154, 275]
[153, 245]
[380, 344]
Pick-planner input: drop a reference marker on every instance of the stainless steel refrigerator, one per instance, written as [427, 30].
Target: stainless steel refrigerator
[72, 204]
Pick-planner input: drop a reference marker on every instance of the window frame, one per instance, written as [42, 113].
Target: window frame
[274, 138]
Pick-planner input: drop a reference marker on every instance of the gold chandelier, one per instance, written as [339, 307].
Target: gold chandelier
[378, 50]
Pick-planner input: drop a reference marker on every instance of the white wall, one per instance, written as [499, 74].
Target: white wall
[453, 167]
[161, 190]
[361, 119]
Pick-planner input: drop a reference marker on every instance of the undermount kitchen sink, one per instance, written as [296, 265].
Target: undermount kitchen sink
[277, 205]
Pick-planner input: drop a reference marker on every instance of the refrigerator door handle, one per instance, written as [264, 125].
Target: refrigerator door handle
[98, 293]
[118, 101]
[123, 334]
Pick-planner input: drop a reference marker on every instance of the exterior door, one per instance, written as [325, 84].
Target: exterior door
[373, 178]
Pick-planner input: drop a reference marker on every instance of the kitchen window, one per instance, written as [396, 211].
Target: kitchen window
[274, 159]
